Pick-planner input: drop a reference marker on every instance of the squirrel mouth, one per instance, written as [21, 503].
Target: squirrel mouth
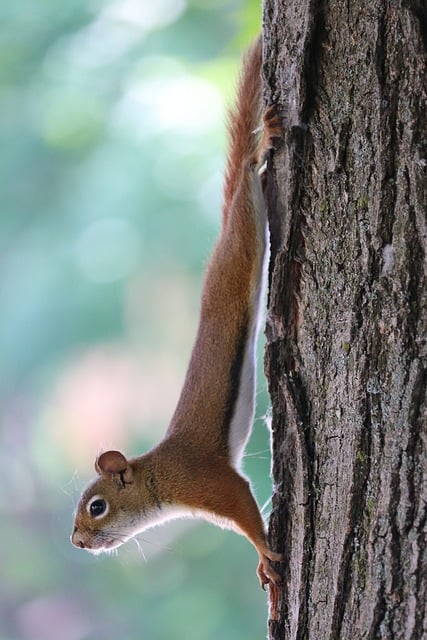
[106, 547]
[96, 547]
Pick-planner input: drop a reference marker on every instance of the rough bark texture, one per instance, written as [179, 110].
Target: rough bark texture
[345, 356]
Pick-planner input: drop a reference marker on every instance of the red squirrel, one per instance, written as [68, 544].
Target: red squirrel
[195, 469]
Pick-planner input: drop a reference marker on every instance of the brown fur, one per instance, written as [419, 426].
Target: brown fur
[193, 467]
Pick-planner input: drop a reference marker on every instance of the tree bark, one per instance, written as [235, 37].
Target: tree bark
[345, 355]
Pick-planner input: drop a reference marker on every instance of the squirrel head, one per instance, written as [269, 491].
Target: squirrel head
[113, 508]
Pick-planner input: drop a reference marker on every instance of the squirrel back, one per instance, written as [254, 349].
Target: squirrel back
[221, 373]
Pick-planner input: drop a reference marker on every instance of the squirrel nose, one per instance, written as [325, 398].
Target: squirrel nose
[77, 540]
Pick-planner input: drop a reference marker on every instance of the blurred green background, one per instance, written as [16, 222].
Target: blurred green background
[112, 151]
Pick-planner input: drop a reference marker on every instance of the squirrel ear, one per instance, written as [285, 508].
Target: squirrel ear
[111, 462]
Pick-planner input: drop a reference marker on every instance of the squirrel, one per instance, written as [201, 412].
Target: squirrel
[195, 469]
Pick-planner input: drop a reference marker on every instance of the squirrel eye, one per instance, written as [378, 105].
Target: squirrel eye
[97, 507]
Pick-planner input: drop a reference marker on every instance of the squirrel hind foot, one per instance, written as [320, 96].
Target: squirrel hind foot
[272, 134]
[272, 124]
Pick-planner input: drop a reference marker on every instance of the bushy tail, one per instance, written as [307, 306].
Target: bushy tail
[243, 120]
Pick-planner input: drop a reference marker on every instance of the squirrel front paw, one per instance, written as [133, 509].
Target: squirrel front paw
[266, 573]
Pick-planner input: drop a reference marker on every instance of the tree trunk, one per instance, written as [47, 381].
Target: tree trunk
[345, 357]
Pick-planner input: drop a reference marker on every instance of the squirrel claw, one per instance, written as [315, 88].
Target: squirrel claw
[272, 131]
[272, 124]
[266, 573]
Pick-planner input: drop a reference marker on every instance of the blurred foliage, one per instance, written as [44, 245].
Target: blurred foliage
[112, 143]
